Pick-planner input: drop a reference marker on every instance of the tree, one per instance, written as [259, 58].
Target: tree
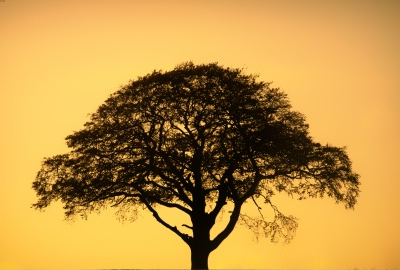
[198, 139]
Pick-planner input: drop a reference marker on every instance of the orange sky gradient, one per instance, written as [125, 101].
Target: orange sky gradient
[337, 60]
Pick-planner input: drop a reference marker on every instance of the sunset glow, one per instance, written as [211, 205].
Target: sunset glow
[338, 61]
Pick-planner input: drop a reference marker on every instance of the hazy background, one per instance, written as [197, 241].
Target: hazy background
[338, 61]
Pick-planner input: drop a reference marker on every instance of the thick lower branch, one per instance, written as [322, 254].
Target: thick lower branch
[186, 238]
[228, 229]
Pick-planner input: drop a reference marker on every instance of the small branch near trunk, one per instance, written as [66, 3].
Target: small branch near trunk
[187, 226]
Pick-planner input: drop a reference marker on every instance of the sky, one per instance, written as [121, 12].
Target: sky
[338, 61]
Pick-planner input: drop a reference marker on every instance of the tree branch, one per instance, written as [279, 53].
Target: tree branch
[222, 195]
[186, 238]
[173, 205]
[229, 227]
[148, 195]
[180, 194]
[258, 207]
[187, 226]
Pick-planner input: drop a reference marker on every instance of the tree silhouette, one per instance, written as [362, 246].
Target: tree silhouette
[198, 139]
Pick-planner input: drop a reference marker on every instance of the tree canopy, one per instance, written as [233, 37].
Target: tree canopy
[195, 139]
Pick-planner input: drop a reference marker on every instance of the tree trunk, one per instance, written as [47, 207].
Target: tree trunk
[201, 244]
[199, 256]
[202, 222]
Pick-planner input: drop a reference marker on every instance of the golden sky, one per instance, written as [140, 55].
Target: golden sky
[338, 61]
